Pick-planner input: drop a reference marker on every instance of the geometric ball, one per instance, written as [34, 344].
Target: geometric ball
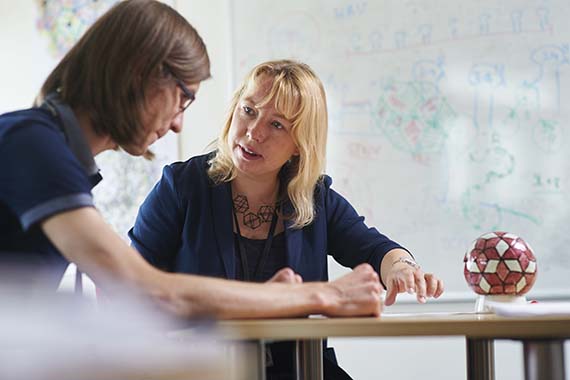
[499, 263]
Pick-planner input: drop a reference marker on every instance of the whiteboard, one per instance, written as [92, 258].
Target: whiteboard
[447, 119]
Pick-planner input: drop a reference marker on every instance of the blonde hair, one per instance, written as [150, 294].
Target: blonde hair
[299, 95]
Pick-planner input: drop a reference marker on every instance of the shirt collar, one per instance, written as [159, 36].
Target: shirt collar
[74, 135]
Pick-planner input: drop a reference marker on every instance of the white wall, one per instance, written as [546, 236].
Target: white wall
[204, 119]
[24, 65]
[364, 358]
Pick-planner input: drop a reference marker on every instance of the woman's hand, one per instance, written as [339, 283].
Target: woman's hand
[404, 275]
[286, 275]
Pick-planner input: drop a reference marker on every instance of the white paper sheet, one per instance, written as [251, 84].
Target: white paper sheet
[530, 309]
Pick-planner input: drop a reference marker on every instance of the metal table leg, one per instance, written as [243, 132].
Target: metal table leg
[309, 359]
[480, 359]
[254, 354]
[543, 359]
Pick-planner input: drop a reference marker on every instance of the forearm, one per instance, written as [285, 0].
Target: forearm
[227, 299]
[354, 294]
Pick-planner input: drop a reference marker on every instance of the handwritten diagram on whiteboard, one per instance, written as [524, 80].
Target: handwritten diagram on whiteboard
[446, 119]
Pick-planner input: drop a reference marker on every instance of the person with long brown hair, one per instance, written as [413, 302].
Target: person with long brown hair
[259, 207]
[125, 84]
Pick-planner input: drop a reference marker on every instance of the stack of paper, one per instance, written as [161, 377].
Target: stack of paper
[530, 309]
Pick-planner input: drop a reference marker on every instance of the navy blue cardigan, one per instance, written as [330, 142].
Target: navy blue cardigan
[185, 225]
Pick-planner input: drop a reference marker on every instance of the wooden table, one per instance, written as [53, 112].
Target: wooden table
[542, 338]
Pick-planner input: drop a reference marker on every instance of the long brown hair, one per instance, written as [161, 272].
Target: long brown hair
[107, 72]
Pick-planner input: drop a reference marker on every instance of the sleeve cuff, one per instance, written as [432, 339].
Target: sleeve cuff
[55, 206]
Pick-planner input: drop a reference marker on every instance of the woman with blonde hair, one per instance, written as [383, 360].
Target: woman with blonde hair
[259, 208]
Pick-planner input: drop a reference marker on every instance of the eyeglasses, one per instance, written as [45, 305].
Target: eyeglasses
[188, 94]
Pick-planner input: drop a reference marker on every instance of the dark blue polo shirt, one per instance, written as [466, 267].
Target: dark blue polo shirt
[46, 167]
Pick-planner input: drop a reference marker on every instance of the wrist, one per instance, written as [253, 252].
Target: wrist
[322, 298]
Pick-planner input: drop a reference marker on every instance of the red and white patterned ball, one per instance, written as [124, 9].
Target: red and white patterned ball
[500, 263]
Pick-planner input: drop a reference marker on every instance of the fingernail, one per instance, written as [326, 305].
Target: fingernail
[423, 300]
[410, 291]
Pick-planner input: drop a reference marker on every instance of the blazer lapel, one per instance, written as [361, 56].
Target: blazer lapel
[223, 226]
[293, 238]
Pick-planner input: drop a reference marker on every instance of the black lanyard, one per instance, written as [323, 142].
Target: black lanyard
[266, 247]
